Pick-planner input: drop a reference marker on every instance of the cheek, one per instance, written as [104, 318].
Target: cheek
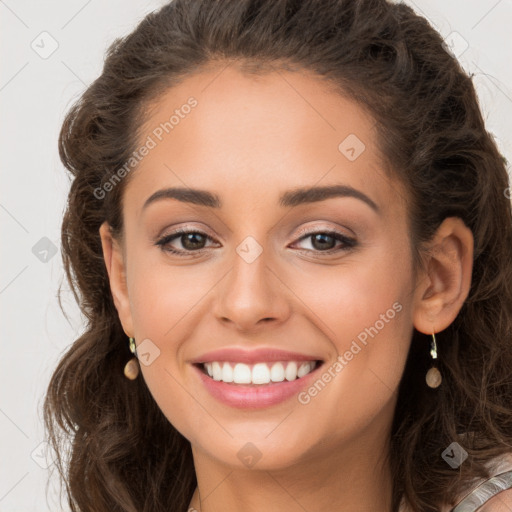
[364, 311]
[161, 295]
[165, 301]
[352, 296]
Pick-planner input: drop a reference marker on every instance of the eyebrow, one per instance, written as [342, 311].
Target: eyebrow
[290, 198]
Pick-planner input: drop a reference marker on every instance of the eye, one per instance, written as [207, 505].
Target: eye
[323, 241]
[192, 241]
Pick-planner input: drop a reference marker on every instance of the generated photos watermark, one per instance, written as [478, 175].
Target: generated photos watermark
[151, 142]
[342, 361]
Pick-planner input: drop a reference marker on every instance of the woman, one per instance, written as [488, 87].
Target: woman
[291, 213]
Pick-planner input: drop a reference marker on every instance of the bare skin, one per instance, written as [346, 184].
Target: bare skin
[248, 141]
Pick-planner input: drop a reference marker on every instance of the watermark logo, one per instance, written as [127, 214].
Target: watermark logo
[455, 44]
[454, 455]
[249, 249]
[351, 147]
[45, 45]
[147, 352]
[44, 250]
[249, 455]
[40, 455]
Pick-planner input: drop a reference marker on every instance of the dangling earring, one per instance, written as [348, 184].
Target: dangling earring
[131, 369]
[433, 376]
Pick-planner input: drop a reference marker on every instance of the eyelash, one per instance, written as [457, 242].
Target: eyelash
[349, 243]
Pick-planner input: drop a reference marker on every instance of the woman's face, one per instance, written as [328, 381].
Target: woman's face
[270, 265]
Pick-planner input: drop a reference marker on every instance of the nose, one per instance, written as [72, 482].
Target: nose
[251, 295]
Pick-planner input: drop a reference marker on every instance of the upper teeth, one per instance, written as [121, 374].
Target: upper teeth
[259, 373]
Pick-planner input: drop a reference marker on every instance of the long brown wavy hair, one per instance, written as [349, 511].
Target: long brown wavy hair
[116, 451]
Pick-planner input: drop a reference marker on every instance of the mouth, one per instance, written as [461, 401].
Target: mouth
[258, 374]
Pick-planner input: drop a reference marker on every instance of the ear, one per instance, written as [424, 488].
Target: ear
[115, 263]
[443, 286]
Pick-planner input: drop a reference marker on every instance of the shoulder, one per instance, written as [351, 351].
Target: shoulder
[491, 495]
[501, 502]
[487, 495]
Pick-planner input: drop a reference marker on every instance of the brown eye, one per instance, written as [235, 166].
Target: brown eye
[325, 241]
[191, 241]
[322, 241]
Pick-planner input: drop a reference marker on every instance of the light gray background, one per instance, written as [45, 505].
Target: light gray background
[36, 90]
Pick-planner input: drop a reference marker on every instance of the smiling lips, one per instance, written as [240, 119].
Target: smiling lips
[259, 373]
[254, 378]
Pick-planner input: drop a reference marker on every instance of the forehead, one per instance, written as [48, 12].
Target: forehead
[251, 137]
